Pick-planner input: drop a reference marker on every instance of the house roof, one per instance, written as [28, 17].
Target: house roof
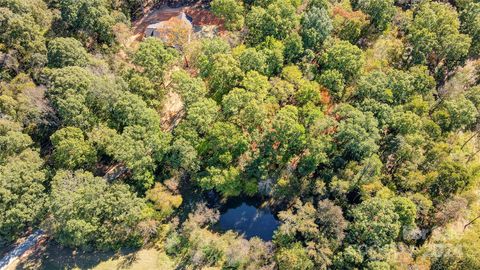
[182, 17]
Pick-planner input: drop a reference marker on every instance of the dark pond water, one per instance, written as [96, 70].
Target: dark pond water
[247, 217]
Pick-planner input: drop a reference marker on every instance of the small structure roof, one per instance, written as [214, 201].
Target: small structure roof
[182, 17]
[175, 31]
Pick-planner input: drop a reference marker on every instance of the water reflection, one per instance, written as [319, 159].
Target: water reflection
[249, 219]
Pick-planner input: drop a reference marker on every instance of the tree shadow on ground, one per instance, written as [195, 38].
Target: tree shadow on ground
[53, 256]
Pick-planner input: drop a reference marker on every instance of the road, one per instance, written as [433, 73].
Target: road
[21, 249]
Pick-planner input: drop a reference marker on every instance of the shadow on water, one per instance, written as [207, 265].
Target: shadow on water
[249, 217]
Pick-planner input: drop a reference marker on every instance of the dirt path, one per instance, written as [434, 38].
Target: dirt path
[21, 249]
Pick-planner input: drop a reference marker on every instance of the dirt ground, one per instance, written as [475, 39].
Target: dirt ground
[52, 256]
[197, 12]
[172, 111]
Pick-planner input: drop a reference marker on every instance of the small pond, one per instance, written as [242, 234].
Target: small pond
[248, 217]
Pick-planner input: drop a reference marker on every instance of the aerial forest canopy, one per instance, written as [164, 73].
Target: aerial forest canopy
[356, 121]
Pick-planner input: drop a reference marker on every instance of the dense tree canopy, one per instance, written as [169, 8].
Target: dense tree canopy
[435, 37]
[22, 179]
[277, 19]
[231, 11]
[316, 27]
[380, 12]
[87, 211]
[355, 122]
[22, 35]
[64, 52]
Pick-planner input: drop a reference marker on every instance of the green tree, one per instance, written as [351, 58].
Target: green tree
[226, 181]
[251, 59]
[88, 212]
[282, 90]
[73, 110]
[22, 32]
[435, 37]
[318, 3]
[335, 83]
[183, 155]
[297, 222]
[64, 52]
[393, 86]
[308, 92]
[67, 90]
[382, 112]
[293, 48]
[225, 74]
[278, 19]
[223, 144]
[375, 223]
[236, 100]
[245, 108]
[209, 48]
[90, 18]
[256, 84]
[470, 25]
[124, 109]
[293, 75]
[423, 82]
[348, 59]
[273, 50]
[140, 150]
[231, 11]
[406, 123]
[348, 24]
[287, 136]
[61, 80]
[451, 177]
[150, 92]
[154, 58]
[380, 11]
[317, 147]
[402, 85]
[349, 258]
[202, 114]
[71, 150]
[293, 258]
[18, 101]
[316, 27]
[12, 140]
[473, 94]
[406, 210]
[22, 193]
[75, 95]
[454, 114]
[357, 133]
[377, 265]
[191, 89]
